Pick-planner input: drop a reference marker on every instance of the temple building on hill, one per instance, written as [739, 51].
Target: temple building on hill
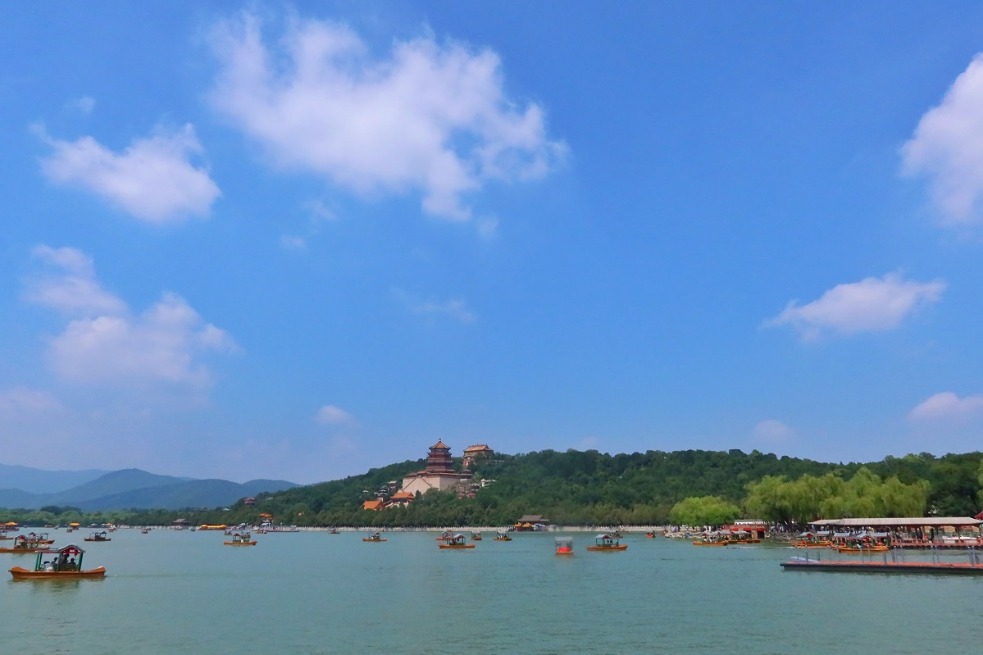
[439, 474]
[475, 452]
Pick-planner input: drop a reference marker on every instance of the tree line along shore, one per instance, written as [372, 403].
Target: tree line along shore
[589, 488]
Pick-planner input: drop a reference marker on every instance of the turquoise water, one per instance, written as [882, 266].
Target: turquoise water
[314, 592]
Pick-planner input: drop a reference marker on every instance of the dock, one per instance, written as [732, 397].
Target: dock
[889, 564]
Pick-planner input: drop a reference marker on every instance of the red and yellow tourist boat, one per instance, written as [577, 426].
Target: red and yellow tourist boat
[375, 538]
[863, 548]
[25, 544]
[241, 539]
[607, 543]
[455, 542]
[58, 564]
[712, 539]
[877, 542]
[813, 540]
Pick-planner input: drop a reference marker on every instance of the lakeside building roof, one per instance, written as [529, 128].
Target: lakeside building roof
[900, 522]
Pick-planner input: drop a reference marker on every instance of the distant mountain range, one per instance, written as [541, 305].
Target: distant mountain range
[93, 490]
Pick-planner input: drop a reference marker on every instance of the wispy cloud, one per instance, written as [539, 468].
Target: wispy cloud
[69, 285]
[105, 343]
[947, 148]
[332, 415]
[153, 179]
[318, 213]
[946, 406]
[83, 105]
[771, 431]
[871, 305]
[22, 401]
[455, 309]
[428, 117]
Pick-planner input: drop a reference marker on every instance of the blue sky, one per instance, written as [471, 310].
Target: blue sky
[302, 240]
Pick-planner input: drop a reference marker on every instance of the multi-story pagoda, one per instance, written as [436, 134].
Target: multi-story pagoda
[439, 460]
[439, 474]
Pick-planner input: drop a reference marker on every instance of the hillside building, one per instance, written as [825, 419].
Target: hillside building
[439, 474]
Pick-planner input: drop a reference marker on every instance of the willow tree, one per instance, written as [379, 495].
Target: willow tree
[704, 510]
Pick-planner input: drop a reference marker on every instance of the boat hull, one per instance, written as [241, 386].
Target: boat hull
[24, 574]
[455, 546]
[604, 549]
[953, 568]
[239, 543]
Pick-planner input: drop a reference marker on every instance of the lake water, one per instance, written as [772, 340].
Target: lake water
[313, 592]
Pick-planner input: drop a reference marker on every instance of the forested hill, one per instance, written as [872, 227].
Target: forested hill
[576, 487]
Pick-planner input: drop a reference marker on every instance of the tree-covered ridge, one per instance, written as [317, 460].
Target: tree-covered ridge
[593, 488]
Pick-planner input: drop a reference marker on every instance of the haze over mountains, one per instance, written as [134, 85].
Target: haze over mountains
[95, 490]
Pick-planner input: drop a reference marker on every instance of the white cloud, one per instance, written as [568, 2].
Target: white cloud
[947, 405]
[106, 344]
[70, 286]
[331, 415]
[427, 117]
[871, 305]
[947, 148]
[153, 179]
[83, 105]
[159, 346]
[771, 431]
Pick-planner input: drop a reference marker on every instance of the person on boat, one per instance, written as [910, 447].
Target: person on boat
[48, 566]
[71, 566]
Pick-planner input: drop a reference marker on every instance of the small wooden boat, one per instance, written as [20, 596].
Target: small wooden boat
[650, 535]
[501, 535]
[445, 535]
[145, 531]
[375, 538]
[475, 536]
[58, 564]
[99, 536]
[714, 538]
[455, 542]
[241, 539]
[861, 548]
[607, 543]
[23, 544]
[564, 546]
[41, 538]
[812, 543]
